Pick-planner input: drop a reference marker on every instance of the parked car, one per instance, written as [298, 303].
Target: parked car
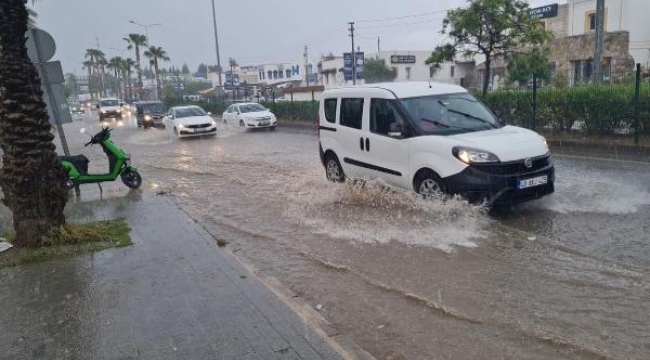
[150, 113]
[109, 108]
[188, 121]
[250, 115]
[431, 138]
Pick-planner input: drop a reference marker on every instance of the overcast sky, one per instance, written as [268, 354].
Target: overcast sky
[251, 31]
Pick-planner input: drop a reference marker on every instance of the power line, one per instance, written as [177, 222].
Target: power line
[403, 17]
[400, 24]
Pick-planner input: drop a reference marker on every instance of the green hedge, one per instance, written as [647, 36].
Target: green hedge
[297, 110]
[604, 109]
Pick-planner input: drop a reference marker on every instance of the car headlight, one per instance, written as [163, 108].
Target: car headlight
[103, 111]
[546, 148]
[147, 117]
[470, 156]
[214, 123]
[181, 126]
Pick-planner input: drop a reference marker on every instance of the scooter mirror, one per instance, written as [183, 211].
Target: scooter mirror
[83, 130]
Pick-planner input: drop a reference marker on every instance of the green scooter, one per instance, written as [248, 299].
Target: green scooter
[119, 164]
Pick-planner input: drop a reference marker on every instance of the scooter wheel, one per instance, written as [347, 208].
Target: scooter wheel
[132, 179]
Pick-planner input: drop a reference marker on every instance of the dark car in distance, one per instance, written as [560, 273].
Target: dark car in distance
[150, 113]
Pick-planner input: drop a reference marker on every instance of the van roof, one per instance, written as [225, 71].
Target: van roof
[405, 89]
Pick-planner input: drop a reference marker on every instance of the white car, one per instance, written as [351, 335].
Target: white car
[188, 121]
[109, 108]
[431, 138]
[250, 115]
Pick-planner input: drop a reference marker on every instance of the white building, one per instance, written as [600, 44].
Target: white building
[410, 66]
[620, 15]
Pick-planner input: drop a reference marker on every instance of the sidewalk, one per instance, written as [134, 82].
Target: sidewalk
[172, 295]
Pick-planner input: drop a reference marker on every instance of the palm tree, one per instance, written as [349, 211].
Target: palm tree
[115, 64]
[90, 65]
[154, 54]
[127, 68]
[99, 60]
[32, 178]
[137, 41]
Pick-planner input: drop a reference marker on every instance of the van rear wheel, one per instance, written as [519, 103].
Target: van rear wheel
[333, 169]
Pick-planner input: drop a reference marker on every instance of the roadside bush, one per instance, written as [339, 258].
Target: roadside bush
[296, 111]
[602, 109]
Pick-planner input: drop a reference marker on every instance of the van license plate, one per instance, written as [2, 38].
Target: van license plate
[537, 181]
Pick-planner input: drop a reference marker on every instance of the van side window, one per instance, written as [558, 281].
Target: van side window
[352, 113]
[383, 113]
[330, 110]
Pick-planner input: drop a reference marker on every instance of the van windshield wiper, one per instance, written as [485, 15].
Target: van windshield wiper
[446, 126]
[470, 116]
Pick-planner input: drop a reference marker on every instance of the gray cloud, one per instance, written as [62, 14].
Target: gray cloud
[251, 31]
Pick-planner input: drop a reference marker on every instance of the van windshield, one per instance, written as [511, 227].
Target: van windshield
[450, 114]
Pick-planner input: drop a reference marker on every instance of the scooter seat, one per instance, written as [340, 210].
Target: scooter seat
[79, 161]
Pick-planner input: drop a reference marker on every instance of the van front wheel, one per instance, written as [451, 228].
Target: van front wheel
[333, 169]
[427, 183]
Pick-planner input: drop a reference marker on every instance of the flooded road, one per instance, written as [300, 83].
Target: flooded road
[567, 277]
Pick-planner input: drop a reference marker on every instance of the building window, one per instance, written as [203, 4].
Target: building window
[281, 74]
[453, 71]
[408, 73]
[288, 73]
[275, 74]
[582, 71]
[270, 74]
[591, 21]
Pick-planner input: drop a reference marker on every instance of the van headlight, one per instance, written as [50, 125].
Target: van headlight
[546, 148]
[474, 156]
[147, 117]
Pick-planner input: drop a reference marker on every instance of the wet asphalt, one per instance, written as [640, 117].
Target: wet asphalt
[563, 277]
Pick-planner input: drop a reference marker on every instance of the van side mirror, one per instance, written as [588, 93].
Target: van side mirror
[395, 130]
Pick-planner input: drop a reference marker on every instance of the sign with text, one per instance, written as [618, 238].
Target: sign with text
[402, 59]
[545, 12]
[347, 65]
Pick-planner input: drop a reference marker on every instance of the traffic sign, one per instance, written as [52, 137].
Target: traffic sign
[43, 41]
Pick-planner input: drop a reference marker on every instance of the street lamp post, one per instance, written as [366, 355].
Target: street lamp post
[146, 28]
[146, 33]
[216, 40]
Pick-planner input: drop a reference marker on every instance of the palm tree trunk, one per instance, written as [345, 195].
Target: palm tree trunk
[158, 78]
[90, 89]
[140, 88]
[32, 178]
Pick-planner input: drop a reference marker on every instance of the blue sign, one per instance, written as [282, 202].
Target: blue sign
[347, 65]
[232, 81]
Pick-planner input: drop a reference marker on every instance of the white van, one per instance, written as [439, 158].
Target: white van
[431, 138]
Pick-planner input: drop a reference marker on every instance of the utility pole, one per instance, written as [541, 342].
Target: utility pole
[216, 41]
[306, 55]
[598, 54]
[378, 46]
[354, 55]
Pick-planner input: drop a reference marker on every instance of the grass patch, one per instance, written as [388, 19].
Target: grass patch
[70, 240]
[221, 243]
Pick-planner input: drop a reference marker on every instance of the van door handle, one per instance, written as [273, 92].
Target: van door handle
[361, 144]
[367, 144]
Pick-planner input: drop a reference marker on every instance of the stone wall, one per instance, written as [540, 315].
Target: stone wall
[558, 25]
[581, 47]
